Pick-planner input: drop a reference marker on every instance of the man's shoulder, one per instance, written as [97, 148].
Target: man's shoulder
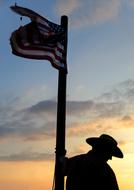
[78, 157]
[109, 169]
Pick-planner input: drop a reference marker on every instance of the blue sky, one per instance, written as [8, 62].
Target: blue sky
[100, 81]
[97, 49]
[100, 54]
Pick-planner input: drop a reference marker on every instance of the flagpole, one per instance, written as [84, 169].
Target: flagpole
[18, 41]
[61, 117]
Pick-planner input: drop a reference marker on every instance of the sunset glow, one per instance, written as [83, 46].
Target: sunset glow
[100, 91]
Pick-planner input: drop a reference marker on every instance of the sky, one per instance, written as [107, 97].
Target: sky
[100, 91]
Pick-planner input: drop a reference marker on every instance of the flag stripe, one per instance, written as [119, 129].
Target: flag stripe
[55, 48]
[34, 53]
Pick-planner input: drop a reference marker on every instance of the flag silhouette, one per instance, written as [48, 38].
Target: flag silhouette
[40, 39]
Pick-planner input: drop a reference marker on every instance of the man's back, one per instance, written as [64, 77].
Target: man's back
[89, 171]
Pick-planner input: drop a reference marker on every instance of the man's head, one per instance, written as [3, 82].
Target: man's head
[105, 145]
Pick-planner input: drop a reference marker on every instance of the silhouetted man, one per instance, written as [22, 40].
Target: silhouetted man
[90, 171]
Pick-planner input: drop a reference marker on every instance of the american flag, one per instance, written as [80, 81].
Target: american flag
[40, 39]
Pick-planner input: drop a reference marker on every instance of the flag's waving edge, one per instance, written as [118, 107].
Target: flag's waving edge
[27, 12]
[40, 39]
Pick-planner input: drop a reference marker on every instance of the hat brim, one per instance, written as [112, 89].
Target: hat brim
[95, 141]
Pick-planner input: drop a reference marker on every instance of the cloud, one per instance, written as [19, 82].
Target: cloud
[130, 2]
[27, 132]
[68, 6]
[39, 120]
[87, 13]
[127, 121]
[127, 118]
[27, 156]
[109, 112]
[32, 95]
[46, 107]
[77, 108]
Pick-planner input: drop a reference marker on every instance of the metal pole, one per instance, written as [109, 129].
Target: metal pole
[61, 118]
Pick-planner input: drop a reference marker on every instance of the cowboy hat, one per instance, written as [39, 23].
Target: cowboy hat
[107, 143]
